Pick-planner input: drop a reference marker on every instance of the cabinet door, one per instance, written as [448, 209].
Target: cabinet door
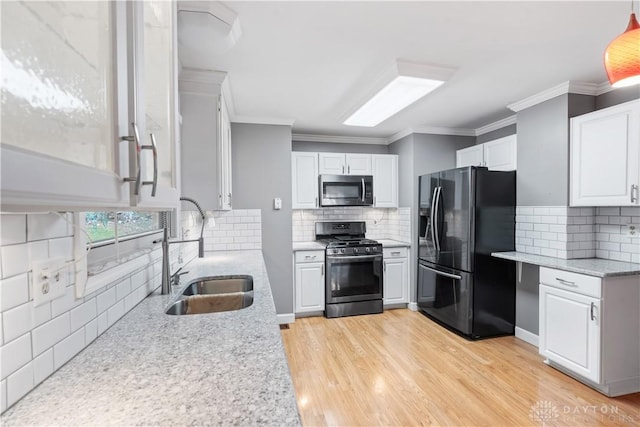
[224, 156]
[309, 287]
[332, 163]
[64, 105]
[304, 180]
[605, 157]
[396, 281]
[385, 180]
[153, 108]
[570, 331]
[501, 154]
[471, 156]
[358, 164]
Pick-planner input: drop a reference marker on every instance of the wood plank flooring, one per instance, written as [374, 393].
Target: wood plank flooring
[400, 368]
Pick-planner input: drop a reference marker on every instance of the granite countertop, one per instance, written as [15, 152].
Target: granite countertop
[154, 369]
[590, 266]
[314, 246]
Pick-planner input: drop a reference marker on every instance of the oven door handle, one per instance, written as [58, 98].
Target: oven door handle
[354, 257]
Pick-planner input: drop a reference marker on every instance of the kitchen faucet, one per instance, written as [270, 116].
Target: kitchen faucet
[165, 287]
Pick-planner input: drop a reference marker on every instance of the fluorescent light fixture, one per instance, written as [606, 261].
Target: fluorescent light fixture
[407, 83]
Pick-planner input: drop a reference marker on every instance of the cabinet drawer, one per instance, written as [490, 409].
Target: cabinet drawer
[574, 282]
[394, 252]
[309, 256]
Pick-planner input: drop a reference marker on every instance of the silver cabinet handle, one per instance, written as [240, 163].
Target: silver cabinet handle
[374, 201]
[363, 189]
[384, 267]
[317, 206]
[566, 282]
[343, 169]
[309, 257]
[395, 253]
[154, 149]
[136, 140]
[220, 201]
[349, 170]
[591, 311]
[230, 204]
[322, 270]
[634, 190]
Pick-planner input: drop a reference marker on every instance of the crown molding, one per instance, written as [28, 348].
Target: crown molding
[603, 88]
[508, 121]
[339, 139]
[580, 88]
[201, 82]
[263, 120]
[444, 131]
[398, 136]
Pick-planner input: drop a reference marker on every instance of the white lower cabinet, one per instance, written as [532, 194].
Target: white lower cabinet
[396, 276]
[309, 281]
[590, 328]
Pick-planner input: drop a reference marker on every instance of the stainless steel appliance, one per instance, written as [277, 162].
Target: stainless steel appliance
[346, 190]
[353, 282]
[464, 215]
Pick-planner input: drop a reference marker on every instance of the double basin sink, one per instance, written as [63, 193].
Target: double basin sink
[214, 294]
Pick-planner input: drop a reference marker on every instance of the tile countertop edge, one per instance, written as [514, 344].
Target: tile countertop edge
[150, 368]
[590, 266]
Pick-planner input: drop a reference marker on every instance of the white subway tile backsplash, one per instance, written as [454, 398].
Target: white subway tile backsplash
[62, 247]
[115, 313]
[40, 314]
[19, 384]
[103, 323]
[52, 332]
[609, 211]
[67, 348]
[64, 303]
[91, 331]
[83, 314]
[3, 395]
[13, 229]
[123, 289]
[47, 226]
[43, 366]
[15, 355]
[14, 291]
[16, 322]
[630, 211]
[106, 299]
[15, 260]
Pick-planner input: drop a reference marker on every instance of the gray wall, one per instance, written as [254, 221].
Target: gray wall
[617, 96]
[261, 172]
[498, 133]
[420, 154]
[336, 147]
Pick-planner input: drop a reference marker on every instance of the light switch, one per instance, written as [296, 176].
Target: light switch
[277, 203]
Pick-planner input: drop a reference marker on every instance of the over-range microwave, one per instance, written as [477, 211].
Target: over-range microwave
[346, 190]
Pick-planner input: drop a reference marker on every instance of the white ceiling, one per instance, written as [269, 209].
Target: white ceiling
[310, 62]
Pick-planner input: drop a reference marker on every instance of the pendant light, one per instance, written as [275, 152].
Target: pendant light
[622, 56]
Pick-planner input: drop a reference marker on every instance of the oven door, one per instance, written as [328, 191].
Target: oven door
[353, 278]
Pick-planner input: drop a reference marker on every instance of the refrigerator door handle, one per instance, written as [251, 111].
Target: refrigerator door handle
[436, 228]
[441, 273]
[433, 202]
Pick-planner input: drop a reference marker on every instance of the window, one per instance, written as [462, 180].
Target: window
[116, 237]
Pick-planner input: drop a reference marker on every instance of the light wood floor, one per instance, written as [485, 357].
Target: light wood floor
[401, 369]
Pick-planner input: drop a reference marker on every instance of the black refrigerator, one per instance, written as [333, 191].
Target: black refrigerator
[465, 214]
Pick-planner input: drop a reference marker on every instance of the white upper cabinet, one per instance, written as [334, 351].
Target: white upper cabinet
[72, 91]
[205, 140]
[605, 157]
[385, 180]
[470, 156]
[344, 164]
[499, 154]
[304, 180]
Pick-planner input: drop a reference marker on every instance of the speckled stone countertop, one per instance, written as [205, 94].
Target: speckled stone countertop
[154, 369]
[390, 243]
[589, 266]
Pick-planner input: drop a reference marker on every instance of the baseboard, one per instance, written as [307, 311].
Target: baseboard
[413, 306]
[527, 336]
[283, 319]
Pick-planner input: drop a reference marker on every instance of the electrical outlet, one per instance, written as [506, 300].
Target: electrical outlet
[632, 230]
[50, 279]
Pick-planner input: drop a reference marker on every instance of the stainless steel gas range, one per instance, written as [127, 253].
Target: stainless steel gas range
[353, 283]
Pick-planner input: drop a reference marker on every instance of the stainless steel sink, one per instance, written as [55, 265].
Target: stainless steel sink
[199, 304]
[220, 285]
[214, 294]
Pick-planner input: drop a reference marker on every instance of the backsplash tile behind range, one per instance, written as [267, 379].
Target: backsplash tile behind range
[237, 229]
[569, 233]
[381, 223]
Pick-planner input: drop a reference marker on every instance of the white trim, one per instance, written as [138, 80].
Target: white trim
[444, 131]
[286, 318]
[201, 82]
[580, 88]
[413, 306]
[398, 136]
[527, 336]
[508, 121]
[603, 88]
[263, 120]
[339, 139]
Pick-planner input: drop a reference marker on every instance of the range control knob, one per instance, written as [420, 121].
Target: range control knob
[355, 250]
[341, 251]
[368, 249]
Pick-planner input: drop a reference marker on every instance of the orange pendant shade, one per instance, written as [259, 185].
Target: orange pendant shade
[622, 56]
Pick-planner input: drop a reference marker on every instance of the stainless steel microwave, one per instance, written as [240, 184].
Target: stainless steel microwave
[346, 190]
